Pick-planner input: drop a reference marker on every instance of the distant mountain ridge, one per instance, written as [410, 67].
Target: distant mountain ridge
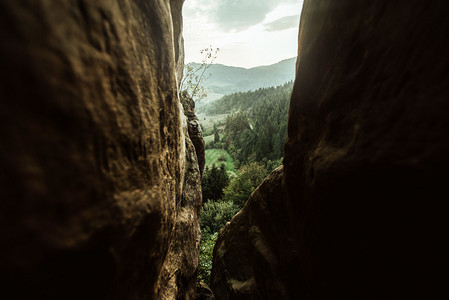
[227, 80]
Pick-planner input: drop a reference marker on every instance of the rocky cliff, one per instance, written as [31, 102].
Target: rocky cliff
[100, 182]
[358, 209]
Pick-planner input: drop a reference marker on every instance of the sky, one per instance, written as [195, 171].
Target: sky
[249, 33]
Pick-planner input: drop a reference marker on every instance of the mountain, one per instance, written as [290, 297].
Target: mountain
[226, 79]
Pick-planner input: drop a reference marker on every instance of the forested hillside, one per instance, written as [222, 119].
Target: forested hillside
[241, 151]
[256, 129]
[245, 101]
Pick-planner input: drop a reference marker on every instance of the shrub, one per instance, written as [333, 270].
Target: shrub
[208, 132]
[222, 158]
[219, 145]
[205, 258]
[214, 180]
[273, 164]
[214, 215]
[241, 187]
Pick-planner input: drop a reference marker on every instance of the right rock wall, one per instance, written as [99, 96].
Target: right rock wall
[358, 209]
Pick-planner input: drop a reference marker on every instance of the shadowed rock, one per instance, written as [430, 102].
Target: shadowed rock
[100, 181]
[358, 211]
[203, 292]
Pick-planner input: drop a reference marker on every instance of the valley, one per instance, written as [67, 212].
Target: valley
[244, 133]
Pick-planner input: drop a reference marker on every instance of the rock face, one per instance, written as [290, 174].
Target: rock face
[204, 292]
[358, 211]
[99, 179]
[194, 128]
[246, 262]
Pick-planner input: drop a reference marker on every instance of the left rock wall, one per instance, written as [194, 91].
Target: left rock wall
[100, 183]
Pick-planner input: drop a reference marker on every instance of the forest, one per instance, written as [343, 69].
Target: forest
[242, 150]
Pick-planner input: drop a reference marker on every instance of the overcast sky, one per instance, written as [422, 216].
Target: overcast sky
[249, 33]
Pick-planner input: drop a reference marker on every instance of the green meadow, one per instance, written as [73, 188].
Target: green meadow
[213, 156]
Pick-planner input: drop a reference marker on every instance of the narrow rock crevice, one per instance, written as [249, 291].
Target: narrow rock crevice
[101, 158]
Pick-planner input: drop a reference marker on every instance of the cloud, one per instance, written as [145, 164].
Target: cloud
[240, 15]
[234, 15]
[282, 23]
[242, 30]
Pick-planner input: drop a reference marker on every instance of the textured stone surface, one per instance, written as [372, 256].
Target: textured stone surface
[194, 128]
[100, 184]
[246, 256]
[176, 11]
[359, 211]
[203, 292]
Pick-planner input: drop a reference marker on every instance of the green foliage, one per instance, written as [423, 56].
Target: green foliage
[253, 135]
[215, 214]
[216, 136]
[208, 132]
[209, 146]
[257, 132]
[215, 179]
[240, 188]
[208, 121]
[213, 155]
[220, 145]
[245, 101]
[222, 158]
[205, 259]
[273, 164]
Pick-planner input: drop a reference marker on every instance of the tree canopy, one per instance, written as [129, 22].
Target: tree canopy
[215, 179]
[259, 132]
[240, 188]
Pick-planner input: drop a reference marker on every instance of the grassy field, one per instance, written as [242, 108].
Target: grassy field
[209, 138]
[208, 120]
[211, 97]
[212, 156]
